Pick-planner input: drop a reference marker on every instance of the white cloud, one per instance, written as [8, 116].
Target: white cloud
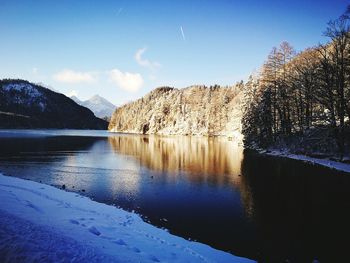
[74, 77]
[145, 62]
[72, 93]
[131, 82]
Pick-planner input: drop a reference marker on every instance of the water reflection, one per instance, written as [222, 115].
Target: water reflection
[191, 182]
[277, 210]
[301, 211]
[217, 160]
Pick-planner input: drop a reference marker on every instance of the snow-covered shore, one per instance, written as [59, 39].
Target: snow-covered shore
[40, 223]
[324, 162]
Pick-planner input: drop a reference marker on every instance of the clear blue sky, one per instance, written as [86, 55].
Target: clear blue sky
[123, 49]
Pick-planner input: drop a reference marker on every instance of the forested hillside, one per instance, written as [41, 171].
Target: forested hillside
[195, 110]
[300, 102]
[27, 105]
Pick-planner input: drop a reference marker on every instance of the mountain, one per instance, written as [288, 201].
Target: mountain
[98, 105]
[27, 105]
[196, 110]
[75, 98]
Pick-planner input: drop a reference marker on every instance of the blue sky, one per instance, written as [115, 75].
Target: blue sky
[123, 49]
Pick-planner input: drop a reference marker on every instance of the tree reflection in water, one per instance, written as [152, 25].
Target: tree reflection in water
[277, 209]
[214, 160]
[301, 211]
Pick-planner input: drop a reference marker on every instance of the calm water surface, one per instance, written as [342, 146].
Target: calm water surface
[206, 189]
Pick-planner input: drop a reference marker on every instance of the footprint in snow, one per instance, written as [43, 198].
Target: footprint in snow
[31, 205]
[120, 242]
[74, 222]
[136, 250]
[94, 231]
[153, 258]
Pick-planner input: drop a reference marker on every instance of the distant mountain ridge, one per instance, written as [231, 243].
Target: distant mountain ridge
[98, 105]
[27, 105]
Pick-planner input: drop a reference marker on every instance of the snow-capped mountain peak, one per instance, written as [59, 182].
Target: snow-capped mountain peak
[98, 105]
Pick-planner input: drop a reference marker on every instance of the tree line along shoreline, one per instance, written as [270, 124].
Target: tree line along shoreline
[300, 102]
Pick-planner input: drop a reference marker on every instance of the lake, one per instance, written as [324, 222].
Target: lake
[206, 189]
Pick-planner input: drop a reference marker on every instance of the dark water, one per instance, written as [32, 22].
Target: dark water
[207, 189]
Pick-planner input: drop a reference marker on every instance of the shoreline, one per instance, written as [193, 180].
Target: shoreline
[53, 216]
[339, 166]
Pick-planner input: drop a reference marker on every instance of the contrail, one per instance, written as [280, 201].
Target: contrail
[182, 33]
[119, 11]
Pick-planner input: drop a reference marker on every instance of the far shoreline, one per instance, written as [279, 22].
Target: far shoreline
[326, 162]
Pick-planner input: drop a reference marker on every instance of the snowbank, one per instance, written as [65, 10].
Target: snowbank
[41, 223]
[324, 162]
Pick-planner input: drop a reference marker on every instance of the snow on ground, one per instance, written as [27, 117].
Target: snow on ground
[324, 162]
[40, 223]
